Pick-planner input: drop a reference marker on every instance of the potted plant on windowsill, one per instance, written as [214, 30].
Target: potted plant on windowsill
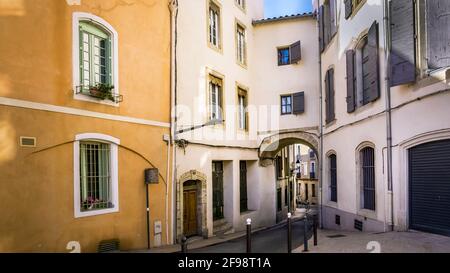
[102, 91]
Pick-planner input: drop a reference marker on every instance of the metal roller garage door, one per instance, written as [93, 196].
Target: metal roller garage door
[429, 187]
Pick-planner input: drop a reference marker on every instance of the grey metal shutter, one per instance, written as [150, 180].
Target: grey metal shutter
[373, 63]
[348, 8]
[321, 30]
[351, 97]
[429, 187]
[298, 99]
[295, 52]
[332, 17]
[403, 55]
[438, 33]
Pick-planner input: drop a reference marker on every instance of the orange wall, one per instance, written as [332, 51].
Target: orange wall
[36, 54]
[36, 197]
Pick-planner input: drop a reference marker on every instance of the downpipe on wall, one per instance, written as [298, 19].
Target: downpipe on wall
[320, 152]
[387, 54]
[173, 6]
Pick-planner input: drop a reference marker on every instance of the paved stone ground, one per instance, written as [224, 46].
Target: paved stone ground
[272, 240]
[389, 242]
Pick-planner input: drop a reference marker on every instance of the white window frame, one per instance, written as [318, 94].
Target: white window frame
[214, 8]
[241, 44]
[241, 4]
[114, 143]
[361, 211]
[76, 19]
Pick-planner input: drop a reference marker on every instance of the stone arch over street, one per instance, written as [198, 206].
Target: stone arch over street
[271, 145]
[188, 180]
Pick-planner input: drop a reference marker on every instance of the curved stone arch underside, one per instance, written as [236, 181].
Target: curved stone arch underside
[271, 145]
[192, 175]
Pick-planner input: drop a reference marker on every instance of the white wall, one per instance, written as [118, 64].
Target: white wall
[195, 57]
[426, 116]
[271, 80]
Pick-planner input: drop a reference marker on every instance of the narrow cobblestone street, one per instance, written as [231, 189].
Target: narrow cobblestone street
[272, 240]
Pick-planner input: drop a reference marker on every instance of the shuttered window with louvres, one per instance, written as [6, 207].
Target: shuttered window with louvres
[403, 48]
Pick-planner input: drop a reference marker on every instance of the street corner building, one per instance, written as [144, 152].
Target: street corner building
[342, 111]
[386, 133]
[84, 111]
[362, 84]
[235, 71]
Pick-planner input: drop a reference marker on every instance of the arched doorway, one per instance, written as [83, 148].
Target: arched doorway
[191, 210]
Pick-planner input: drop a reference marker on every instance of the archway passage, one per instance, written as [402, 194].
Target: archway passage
[272, 145]
[294, 156]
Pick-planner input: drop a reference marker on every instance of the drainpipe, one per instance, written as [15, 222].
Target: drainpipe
[173, 6]
[387, 54]
[320, 152]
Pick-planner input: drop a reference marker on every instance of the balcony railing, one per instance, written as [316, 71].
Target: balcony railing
[95, 93]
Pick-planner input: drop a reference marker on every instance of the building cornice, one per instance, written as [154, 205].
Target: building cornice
[283, 18]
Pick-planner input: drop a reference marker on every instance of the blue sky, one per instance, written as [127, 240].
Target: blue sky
[286, 7]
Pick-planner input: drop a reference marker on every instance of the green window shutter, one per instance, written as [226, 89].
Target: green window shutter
[84, 26]
[80, 50]
[109, 61]
[96, 60]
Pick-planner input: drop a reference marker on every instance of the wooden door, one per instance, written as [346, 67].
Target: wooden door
[190, 212]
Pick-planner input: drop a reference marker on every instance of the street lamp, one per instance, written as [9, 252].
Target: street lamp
[209, 123]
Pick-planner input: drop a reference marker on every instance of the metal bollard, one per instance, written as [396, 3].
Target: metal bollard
[315, 229]
[305, 234]
[249, 235]
[289, 232]
[184, 244]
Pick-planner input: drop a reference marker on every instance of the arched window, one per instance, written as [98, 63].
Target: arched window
[333, 177]
[95, 59]
[367, 159]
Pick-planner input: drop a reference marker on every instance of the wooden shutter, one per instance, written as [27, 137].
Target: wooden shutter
[438, 26]
[403, 56]
[329, 96]
[321, 30]
[351, 98]
[333, 17]
[348, 8]
[373, 64]
[326, 22]
[295, 52]
[243, 186]
[331, 90]
[298, 100]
